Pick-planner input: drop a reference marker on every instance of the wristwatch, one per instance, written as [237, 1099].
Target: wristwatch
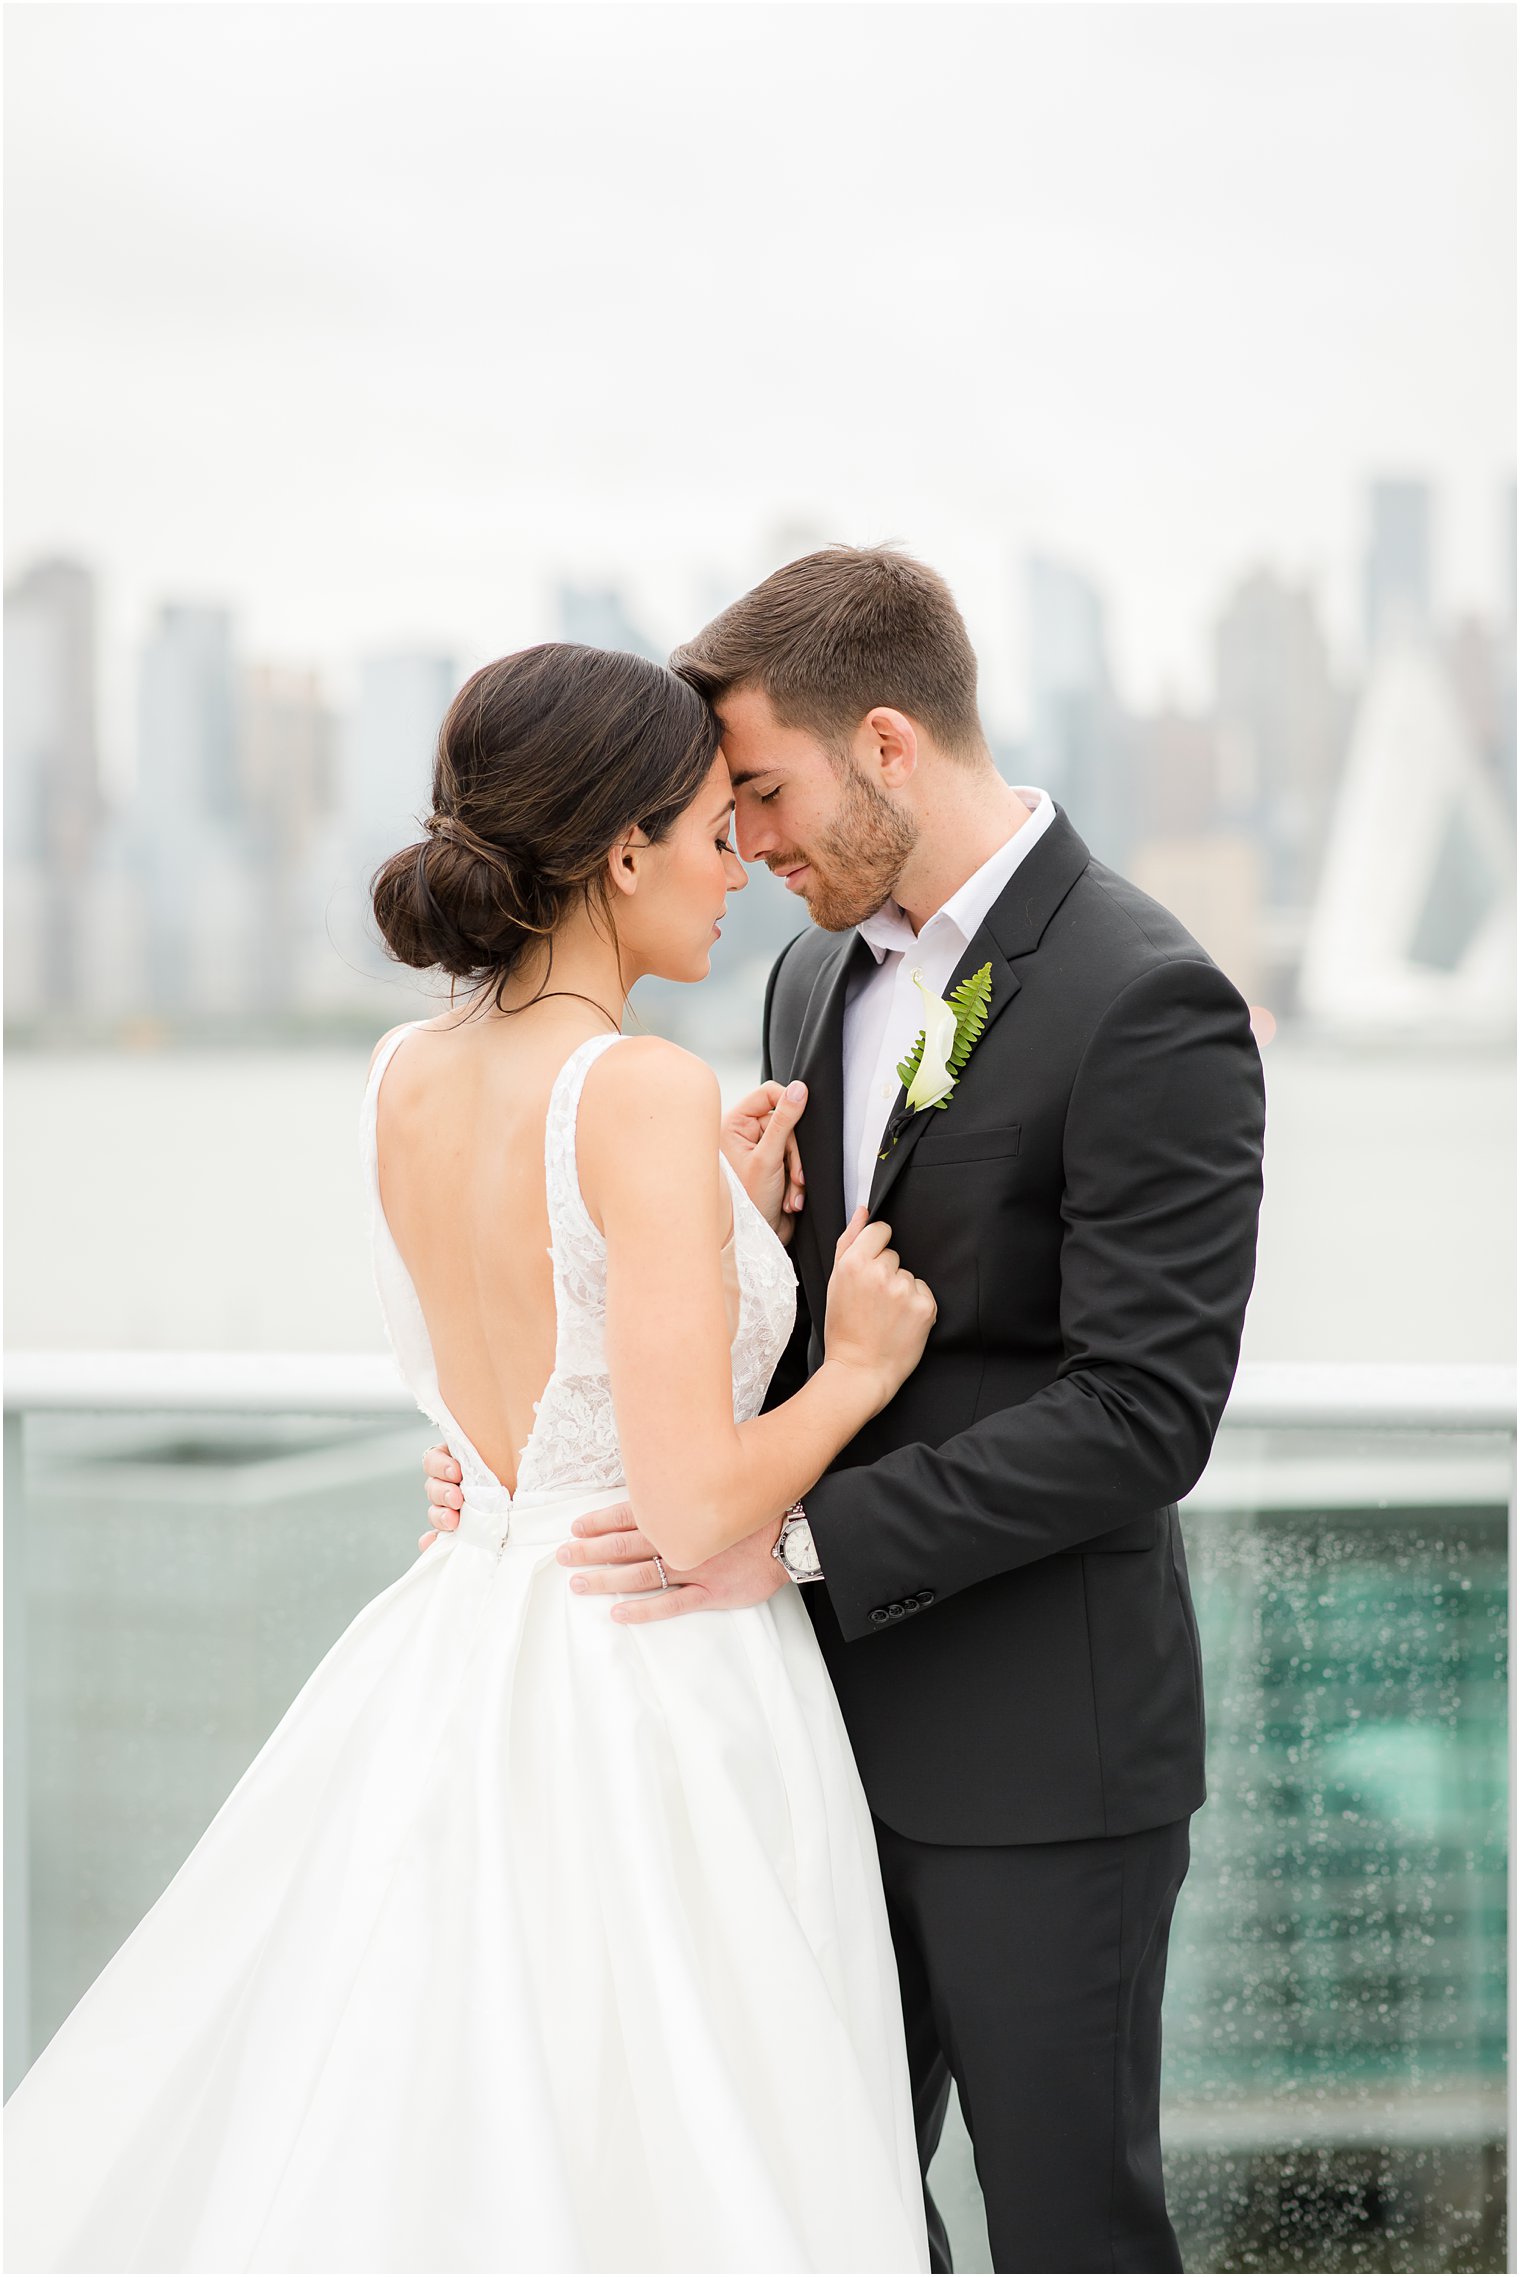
[794, 1546]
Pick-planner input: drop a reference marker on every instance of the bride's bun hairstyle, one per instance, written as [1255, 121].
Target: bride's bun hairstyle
[545, 760]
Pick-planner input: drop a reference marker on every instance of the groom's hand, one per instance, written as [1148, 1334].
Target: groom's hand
[445, 1492]
[609, 1554]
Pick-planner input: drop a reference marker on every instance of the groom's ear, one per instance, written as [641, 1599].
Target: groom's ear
[891, 746]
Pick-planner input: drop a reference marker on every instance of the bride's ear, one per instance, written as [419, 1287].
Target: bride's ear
[623, 860]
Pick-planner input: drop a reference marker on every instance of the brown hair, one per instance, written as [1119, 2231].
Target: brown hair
[543, 762]
[831, 635]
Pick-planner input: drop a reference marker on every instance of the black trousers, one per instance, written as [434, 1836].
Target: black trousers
[1032, 1976]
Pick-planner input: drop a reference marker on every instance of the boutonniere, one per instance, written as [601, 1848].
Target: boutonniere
[951, 1027]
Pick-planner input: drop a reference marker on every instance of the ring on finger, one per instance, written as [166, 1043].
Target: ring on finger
[659, 1567]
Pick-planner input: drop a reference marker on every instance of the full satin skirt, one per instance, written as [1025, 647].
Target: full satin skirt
[529, 1941]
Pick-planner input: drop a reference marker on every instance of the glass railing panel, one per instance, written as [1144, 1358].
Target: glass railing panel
[185, 1574]
[1334, 2093]
[1335, 2034]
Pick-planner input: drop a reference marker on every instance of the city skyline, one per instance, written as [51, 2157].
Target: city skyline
[605, 600]
[230, 882]
[605, 611]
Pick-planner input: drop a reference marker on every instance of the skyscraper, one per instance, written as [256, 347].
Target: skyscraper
[287, 760]
[1278, 727]
[52, 759]
[190, 837]
[287, 771]
[1192, 856]
[1397, 572]
[1177, 773]
[53, 803]
[187, 720]
[1078, 746]
[385, 748]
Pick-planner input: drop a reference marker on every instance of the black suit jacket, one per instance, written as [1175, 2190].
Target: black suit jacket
[1005, 1611]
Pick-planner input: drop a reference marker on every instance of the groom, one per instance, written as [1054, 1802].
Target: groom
[995, 1567]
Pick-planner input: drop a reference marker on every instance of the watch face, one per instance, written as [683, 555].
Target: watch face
[798, 1554]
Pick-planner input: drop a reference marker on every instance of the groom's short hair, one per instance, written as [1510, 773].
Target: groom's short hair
[832, 635]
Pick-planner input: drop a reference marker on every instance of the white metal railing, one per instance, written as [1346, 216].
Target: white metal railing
[1268, 1395]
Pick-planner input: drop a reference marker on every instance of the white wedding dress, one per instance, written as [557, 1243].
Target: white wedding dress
[529, 1941]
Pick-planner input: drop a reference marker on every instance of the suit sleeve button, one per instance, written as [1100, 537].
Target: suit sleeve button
[878, 1612]
[926, 1597]
[894, 1611]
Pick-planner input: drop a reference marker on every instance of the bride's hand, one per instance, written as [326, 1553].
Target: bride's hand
[758, 1138]
[877, 1315]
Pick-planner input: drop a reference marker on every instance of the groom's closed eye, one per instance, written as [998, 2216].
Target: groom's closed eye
[747, 779]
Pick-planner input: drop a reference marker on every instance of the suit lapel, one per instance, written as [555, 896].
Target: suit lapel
[820, 1064]
[909, 1128]
[1012, 928]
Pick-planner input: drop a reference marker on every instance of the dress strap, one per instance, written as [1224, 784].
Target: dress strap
[568, 1214]
[369, 1119]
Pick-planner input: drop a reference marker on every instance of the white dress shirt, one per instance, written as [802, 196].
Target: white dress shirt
[883, 1012]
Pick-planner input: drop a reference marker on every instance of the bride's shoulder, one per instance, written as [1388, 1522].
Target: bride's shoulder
[650, 1116]
[650, 1074]
[647, 1142]
[399, 1030]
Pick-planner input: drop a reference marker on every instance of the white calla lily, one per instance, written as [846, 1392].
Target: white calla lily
[933, 1078]
[938, 1059]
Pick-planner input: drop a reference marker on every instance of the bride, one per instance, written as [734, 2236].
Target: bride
[533, 1939]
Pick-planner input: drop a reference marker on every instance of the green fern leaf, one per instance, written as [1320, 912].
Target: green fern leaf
[969, 1003]
[908, 1068]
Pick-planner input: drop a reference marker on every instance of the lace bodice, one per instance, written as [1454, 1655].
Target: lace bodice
[574, 1439]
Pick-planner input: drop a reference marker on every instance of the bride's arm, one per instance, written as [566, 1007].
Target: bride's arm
[648, 1158]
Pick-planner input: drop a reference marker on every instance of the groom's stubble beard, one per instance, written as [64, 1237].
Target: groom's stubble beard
[857, 858]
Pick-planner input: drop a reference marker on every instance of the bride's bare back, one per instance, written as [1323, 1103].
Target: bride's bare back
[460, 1135]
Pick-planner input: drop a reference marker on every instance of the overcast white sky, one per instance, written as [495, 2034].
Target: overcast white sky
[372, 320]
